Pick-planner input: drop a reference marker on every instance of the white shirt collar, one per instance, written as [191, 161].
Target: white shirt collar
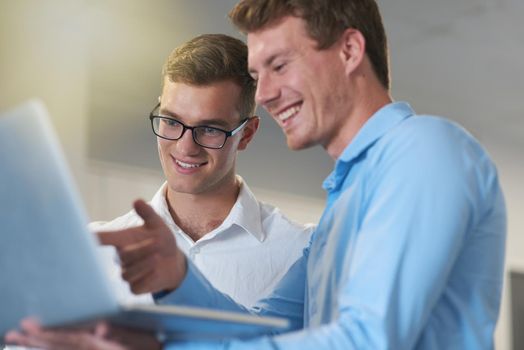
[245, 213]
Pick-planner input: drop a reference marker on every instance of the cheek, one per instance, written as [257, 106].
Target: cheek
[223, 160]
[297, 82]
[163, 150]
[163, 145]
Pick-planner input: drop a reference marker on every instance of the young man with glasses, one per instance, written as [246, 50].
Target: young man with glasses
[204, 117]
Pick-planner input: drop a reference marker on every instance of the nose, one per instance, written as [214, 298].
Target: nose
[186, 145]
[267, 90]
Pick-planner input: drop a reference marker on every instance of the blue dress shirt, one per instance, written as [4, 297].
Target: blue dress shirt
[408, 254]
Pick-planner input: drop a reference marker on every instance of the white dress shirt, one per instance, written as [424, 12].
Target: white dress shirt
[244, 257]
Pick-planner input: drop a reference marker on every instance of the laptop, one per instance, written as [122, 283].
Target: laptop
[49, 264]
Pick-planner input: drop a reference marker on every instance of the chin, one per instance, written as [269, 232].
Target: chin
[179, 187]
[297, 145]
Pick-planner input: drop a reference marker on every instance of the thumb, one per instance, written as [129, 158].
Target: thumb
[151, 219]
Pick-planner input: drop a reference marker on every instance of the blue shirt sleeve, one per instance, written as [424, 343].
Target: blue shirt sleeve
[286, 300]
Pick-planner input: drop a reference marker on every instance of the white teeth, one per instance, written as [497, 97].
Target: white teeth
[288, 113]
[187, 165]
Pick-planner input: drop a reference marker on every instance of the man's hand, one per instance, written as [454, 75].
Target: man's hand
[150, 259]
[103, 337]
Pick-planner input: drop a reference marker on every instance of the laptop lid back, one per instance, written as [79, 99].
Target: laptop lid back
[48, 262]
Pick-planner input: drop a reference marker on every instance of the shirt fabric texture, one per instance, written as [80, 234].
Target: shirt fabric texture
[408, 254]
[244, 257]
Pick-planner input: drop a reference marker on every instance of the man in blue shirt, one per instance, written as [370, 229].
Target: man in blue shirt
[409, 251]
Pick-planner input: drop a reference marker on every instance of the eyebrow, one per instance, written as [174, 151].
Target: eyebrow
[165, 113]
[214, 122]
[204, 122]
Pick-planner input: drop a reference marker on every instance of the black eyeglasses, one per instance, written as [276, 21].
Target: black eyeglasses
[205, 136]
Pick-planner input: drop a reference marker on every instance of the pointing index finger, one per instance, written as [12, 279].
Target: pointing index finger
[122, 238]
[133, 235]
[151, 219]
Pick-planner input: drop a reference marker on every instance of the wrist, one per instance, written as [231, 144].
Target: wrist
[180, 269]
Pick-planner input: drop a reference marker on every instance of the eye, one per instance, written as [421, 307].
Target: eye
[209, 131]
[170, 122]
[279, 67]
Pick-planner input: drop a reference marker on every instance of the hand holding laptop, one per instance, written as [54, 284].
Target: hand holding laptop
[150, 259]
[102, 337]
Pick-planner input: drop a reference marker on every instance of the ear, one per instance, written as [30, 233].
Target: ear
[248, 132]
[352, 49]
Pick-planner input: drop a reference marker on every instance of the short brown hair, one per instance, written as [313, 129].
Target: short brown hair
[325, 20]
[211, 58]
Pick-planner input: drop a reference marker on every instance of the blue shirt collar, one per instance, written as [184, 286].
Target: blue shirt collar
[379, 124]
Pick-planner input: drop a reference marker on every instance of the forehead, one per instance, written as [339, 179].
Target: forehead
[285, 35]
[217, 101]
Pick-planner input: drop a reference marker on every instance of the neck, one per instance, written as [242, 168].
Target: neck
[199, 214]
[366, 100]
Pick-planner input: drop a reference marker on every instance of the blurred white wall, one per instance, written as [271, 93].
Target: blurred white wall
[43, 53]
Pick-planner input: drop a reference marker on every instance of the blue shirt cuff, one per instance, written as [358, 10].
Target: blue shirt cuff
[194, 290]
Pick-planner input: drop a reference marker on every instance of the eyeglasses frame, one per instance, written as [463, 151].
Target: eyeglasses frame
[228, 133]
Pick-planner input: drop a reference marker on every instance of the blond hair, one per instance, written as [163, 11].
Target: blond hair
[211, 58]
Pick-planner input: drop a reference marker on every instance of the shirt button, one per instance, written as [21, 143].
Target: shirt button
[193, 251]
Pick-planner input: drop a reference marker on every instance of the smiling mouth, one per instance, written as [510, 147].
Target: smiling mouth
[288, 113]
[188, 165]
